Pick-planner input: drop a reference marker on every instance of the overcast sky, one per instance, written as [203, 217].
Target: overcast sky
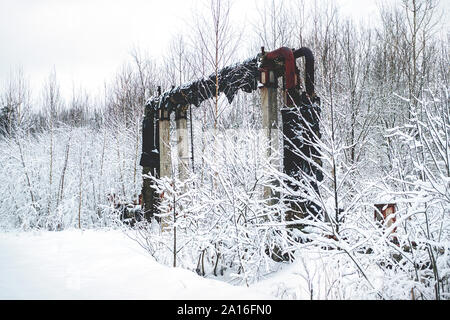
[86, 41]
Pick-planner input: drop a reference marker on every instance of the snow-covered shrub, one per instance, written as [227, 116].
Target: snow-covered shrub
[88, 167]
[216, 221]
[420, 182]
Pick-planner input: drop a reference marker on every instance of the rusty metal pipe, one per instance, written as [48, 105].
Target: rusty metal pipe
[289, 64]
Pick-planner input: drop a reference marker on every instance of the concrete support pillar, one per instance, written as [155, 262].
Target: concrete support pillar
[182, 142]
[270, 123]
[165, 159]
[165, 166]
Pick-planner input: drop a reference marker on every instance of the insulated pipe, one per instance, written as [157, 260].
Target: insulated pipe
[309, 68]
[149, 162]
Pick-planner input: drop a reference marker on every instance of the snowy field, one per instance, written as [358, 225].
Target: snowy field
[92, 264]
[106, 265]
[98, 265]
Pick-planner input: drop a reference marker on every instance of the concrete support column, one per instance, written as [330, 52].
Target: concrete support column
[182, 142]
[270, 123]
[165, 159]
[165, 166]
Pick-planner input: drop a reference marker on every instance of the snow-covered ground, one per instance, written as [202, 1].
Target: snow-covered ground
[93, 264]
[107, 264]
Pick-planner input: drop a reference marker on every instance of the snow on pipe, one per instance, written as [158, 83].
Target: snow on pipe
[232, 78]
[241, 76]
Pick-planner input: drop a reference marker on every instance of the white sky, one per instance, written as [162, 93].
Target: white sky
[86, 41]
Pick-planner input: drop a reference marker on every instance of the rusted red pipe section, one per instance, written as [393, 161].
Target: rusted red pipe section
[289, 64]
[289, 56]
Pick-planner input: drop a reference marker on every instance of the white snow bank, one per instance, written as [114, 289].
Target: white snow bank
[95, 264]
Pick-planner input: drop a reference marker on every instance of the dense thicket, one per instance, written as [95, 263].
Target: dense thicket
[385, 123]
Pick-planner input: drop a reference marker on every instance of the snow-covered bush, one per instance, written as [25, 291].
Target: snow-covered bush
[89, 167]
[216, 221]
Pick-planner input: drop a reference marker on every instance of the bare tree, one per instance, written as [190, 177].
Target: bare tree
[52, 104]
[15, 103]
[421, 20]
[216, 40]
